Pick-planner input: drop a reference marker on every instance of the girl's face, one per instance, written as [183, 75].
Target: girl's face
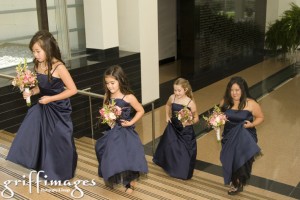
[179, 91]
[38, 52]
[112, 84]
[236, 92]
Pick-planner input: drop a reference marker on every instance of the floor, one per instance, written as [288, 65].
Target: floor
[276, 174]
[278, 136]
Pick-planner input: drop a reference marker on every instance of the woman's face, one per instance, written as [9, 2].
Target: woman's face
[236, 92]
[112, 84]
[38, 52]
[179, 91]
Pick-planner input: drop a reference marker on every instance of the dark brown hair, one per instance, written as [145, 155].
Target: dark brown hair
[50, 46]
[117, 72]
[228, 101]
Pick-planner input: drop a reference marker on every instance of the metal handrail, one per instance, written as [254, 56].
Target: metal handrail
[95, 95]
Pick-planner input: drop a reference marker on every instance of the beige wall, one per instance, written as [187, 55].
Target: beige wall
[275, 9]
[101, 24]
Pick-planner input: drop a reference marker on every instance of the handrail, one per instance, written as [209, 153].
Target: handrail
[95, 95]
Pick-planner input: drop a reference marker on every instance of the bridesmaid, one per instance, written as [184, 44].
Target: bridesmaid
[177, 149]
[120, 152]
[239, 142]
[44, 141]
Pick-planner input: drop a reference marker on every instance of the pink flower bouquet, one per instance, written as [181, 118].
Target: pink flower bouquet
[185, 115]
[216, 120]
[25, 79]
[110, 113]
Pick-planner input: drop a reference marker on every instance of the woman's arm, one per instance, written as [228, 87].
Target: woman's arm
[195, 112]
[168, 108]
[256, 112]
[137, 107]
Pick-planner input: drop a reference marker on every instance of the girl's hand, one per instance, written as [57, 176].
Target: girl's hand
[248, 124]
[168, 120]
[45, 100]
[125, 123]
[26, 94]
[112, 124]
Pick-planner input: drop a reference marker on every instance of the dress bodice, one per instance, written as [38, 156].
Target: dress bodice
[175, 108]
[126, 109]
[53, 87]
[238, 117]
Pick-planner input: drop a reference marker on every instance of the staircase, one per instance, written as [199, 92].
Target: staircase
[157, 185]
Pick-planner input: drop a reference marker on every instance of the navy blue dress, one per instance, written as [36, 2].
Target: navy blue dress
[177, 149]
[239, 146]
[44, 140]
[120, 152]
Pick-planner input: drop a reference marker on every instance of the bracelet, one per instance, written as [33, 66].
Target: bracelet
[31, 92]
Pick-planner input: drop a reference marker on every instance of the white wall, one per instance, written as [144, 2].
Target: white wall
[167, 38]
[138, 32]
[101, 24]
[128, 25]
[149, 50]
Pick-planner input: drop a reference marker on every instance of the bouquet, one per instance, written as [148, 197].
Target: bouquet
[185, 115]
[216, 120]
[25, 79]
[110, 113]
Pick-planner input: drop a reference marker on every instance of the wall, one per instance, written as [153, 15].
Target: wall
[128, 25]
[167, 36]
[275, 9]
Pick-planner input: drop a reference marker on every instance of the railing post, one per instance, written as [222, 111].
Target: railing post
[91, 112]
[153, 128]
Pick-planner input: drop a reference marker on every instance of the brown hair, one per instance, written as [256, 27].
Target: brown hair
[228, 101]
[117, 72]
[186, 86]
[50, 46]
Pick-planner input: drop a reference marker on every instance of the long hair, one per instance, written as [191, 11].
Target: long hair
[50, 46]
[228, 101]
[185, 84]
[117, 72]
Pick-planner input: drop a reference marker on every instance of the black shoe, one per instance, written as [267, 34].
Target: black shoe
[235, 190]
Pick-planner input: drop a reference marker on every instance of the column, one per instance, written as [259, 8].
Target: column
[101, 24]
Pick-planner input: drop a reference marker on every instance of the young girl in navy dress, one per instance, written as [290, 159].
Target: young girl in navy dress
[177, 149]
[120, 152]
[44, 141]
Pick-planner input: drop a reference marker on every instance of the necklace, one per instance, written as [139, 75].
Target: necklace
[44, 68]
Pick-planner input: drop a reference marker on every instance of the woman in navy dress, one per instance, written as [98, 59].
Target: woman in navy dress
[120, 152]
[177, 149]
[44, 141]
[239, 142]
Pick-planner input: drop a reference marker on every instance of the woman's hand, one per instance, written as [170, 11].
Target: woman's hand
[168, 119]
[248, 124]
[45, 100]
[125, 123]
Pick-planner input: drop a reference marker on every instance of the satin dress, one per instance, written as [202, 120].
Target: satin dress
[177, 149]
[44, 141]
[239, 146]
[120, 152]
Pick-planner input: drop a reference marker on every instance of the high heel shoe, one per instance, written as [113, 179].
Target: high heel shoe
[130, 187]
[235, 190]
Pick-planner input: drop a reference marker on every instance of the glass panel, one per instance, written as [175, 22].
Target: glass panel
[18, 22]
[75, 23]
